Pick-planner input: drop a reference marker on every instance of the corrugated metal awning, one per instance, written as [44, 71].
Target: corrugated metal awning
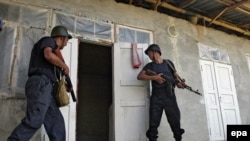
[231, 16]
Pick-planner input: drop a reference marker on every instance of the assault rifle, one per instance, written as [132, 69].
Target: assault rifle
[67, 78]
[169, 79]
[69, 84]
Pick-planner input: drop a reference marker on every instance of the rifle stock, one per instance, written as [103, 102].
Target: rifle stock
[150, 72]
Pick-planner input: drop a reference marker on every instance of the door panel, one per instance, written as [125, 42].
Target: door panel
[130, 96]
[227, 94]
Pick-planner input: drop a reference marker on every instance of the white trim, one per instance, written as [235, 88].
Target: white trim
[248, 61]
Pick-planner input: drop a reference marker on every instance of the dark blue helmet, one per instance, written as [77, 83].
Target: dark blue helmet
[153, 47]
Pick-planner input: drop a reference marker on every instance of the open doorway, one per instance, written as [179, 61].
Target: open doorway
[94, 92]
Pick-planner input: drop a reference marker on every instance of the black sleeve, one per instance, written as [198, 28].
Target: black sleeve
[48, 42]
[148, 66]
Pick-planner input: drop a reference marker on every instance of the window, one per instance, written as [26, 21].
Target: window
[213, 54]
[86, 28]
[133, 35]
[24, 26]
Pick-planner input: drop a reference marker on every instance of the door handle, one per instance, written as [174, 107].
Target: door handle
[220, 99]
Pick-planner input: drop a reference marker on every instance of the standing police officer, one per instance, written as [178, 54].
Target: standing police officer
[41, 105]
[163, 95]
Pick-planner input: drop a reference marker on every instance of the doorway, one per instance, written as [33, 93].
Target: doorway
[94, 92]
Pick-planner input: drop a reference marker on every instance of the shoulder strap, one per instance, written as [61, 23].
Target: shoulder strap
[176, 75]
[170, 65]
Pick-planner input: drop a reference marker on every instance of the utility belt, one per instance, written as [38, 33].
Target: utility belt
[44, 72]
[166, 89]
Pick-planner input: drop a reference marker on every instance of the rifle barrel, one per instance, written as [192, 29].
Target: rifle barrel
[190, 89]
[69, 83]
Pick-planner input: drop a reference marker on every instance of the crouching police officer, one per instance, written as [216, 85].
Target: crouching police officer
[41, 105]
[163, 95]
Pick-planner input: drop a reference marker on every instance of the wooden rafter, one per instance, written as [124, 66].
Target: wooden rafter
[157, 4]
[227, 2]
[227, 9]
[243, 10]
[216, 22]
[130, 1]
[244, 24]
[186, 3]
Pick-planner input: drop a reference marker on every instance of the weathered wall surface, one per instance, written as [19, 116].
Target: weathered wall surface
[12, 111]
[183, 50]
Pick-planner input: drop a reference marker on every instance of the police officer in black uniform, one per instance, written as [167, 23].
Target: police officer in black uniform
[41, 105]
[163, 95]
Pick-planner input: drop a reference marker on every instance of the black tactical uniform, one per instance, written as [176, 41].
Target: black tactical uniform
[163, 98]
[41, 105]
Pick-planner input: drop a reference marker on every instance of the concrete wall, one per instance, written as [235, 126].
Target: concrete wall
[183, 50]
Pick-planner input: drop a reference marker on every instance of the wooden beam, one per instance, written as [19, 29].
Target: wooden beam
[186, 3]
[237, 5]
[130, 2]
[227, 2]
[220, 23]
[218, 15]
[157, 4]
[243, 11]
[227, 9]
[244, 24]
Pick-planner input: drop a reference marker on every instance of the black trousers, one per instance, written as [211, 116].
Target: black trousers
[41, 109]
[160, 100]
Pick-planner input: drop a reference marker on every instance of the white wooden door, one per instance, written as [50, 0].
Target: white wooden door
[219, 94]
[227, 95]
[130, 96]
[70, 55]
[212, 101]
